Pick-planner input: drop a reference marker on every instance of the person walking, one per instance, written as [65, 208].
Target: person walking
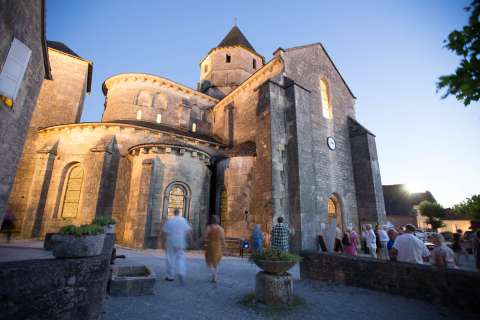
[382, 232]
[408, 248]
[215, 239]
[8, 224]
[338, 246]
[257, 238]
[363, 240]
[442, 256]
[350, 241]
[280, 236]
[371, 241]
[175, 232]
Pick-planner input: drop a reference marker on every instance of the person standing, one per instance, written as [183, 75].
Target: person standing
[257, 238]
[476, 249]
[175, 233]
[338, 247]
[215, 239]
[350, 242]
[458, 246]
[371, 241]
[408, 248]
[442, 256]
[392, 235]
[8, 224]
[363, 240]
[383, 242]
[280, 236]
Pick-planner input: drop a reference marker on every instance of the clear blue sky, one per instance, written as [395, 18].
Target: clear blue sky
[389, 52]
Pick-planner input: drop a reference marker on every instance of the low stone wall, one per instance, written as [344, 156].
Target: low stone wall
[55, 288]
[457, 288]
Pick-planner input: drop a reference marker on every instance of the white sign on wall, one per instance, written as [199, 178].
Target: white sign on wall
[13, 69]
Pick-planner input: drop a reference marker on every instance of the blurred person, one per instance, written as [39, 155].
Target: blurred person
[338, 247]
[175, 233]
[408, 248]
[215, 239]
[442, 256]
[371, 241]
[382, 232]
[257, 238]
[350, 241]
[476, 249]
[459, 247]
[392, 234]
[8, 224]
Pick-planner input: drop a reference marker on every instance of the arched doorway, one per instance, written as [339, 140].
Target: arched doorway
[335, 212]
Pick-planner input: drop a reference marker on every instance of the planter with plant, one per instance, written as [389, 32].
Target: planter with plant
[105, 222]
[274, 261]
[75, 242]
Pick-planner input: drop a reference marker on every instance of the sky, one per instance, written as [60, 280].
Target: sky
[389, 52]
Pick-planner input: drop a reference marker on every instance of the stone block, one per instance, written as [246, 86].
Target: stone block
[132, 281]
[274, 289]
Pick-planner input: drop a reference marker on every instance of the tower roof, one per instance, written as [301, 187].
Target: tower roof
[235, 38]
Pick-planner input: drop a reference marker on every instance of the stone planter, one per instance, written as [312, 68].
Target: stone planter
[274, 267]
[70, 246]
[274, 289]
[131, 281]
[110, 228]
[48, 242]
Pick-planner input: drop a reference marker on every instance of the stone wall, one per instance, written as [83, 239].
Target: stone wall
[24, 21]
[451, 287]
[54, 288]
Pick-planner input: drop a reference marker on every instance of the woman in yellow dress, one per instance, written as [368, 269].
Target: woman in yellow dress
[215, 239]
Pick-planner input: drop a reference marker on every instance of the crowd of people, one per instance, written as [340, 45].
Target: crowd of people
[402, 245]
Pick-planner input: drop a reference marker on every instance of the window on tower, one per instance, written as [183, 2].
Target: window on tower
[205, 68]
[326, 99]
[254, 64]
[228, 58]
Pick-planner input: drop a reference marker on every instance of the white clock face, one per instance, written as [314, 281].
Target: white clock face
[331, 143]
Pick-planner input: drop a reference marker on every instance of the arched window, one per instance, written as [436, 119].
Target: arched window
[160, 101]
[326, 99]
[177, 196]
[72, 192]
[144, 99]
[334, 211]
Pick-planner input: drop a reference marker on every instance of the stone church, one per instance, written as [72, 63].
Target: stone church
[256, 140]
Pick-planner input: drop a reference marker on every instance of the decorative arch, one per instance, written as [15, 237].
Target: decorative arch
[326, 98]
[72, 191]
[334, 211]
[177, 195]
[160, 101]
[144, 98]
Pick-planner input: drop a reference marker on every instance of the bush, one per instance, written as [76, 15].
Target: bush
[103, 221]
[83, 230]
[274, 255]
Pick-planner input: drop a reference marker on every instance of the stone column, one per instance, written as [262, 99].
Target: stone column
[273, 289]
[37, 196]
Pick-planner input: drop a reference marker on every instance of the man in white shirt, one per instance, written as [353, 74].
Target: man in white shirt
[382, 233]
[371, 241]
[175, 232]
[408, 248]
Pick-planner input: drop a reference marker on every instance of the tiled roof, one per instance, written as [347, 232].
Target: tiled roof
[235, 38]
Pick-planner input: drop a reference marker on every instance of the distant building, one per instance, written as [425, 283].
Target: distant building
[453, 222]
[401, 206]
[23, 66]
[255, 141]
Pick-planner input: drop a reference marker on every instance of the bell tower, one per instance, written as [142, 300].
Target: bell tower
[228, 65]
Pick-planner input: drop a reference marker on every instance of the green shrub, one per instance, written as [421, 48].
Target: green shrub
[103, 221]
[83, 230]
[274, 255]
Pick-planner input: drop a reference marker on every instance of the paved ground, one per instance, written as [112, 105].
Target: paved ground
[200, 299]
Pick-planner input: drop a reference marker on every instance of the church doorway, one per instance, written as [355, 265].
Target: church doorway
[335, 212]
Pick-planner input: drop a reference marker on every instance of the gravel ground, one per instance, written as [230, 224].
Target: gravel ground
[197, 298]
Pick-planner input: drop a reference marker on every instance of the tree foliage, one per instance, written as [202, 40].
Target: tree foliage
[470, 208]
[434, 212]
[464, 84]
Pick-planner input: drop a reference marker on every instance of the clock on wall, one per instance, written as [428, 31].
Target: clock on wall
[331, 143]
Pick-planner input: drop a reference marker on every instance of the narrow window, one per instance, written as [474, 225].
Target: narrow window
[144, 99]
[139, 115]
[254, 64]
[71, 197]
[205, 68]
[194, 127]
[159, 117]
[325, 97]
[228, 58]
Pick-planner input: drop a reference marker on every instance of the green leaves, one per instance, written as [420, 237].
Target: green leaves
[434, 213]
[470, 208]
[274, 255]
[464, 84]
[103, 221]
[83, 230]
